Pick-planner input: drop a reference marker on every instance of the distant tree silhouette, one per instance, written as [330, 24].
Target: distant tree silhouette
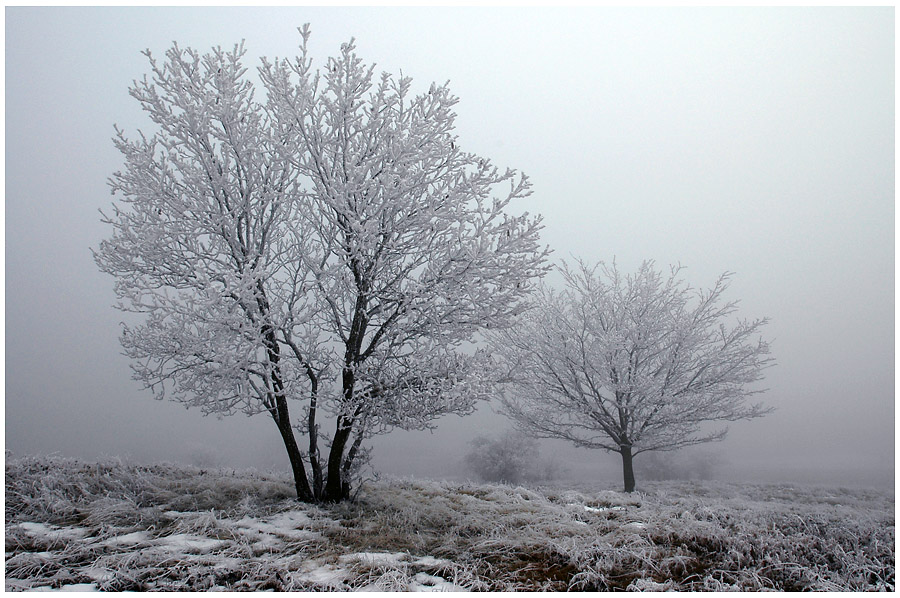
[631, 363]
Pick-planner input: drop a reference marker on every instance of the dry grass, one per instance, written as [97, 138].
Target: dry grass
[115, 526]
[671, 536]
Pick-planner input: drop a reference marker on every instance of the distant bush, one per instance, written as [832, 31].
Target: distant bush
[511, 458]
[661, 466]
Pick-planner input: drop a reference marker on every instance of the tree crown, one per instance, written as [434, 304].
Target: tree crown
[329, 243]
[639, 360]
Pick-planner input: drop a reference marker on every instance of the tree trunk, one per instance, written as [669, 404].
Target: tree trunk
[627, 467]
[347, 467]
[280, 412]
[313, 428]
[301, 483]
[335, 489]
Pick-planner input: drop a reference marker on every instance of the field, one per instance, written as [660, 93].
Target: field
[112, 526]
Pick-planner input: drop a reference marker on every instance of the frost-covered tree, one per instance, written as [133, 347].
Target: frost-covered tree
[329, 247]
[631, 363]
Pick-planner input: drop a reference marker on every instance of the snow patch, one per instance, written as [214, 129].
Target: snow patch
[73, 587]
[98, 574]
[178, 514]
[375, 559]
[316, 572]
[393, 559]
[431, 562]
[433, 583]
[178, 542]
[286, 525]
[126, 539]
[648, 585]
[602, 509]
[227, 562]
[267, 544]
[53, 531]
[34, 529]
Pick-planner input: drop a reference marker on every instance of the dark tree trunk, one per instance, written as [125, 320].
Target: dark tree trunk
[279, 410]
[314, 463]
[335, 488]
[627, 467]
[301, 483]
[347, 467]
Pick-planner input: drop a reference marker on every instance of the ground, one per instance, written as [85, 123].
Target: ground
[112, 526]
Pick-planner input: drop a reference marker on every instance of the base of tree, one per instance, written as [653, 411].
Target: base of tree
[627, 468]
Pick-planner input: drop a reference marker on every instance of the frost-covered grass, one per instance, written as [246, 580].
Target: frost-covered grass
[112, 526]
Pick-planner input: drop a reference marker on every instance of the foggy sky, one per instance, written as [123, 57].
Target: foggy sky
[758, 141]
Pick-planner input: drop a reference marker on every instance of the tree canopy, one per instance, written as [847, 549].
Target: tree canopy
[330, 245]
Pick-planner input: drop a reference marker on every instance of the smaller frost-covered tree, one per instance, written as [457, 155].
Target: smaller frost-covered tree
[631, 363]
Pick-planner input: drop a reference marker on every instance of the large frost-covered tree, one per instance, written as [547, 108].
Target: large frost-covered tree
[329, 247]
[631, 363]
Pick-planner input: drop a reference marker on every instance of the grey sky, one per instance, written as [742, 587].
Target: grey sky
[759, 141]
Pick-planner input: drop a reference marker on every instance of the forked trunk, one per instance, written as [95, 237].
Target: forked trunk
[279, 411]
[627, 467]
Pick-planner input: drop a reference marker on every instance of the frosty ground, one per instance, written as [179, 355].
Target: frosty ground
[113, 526]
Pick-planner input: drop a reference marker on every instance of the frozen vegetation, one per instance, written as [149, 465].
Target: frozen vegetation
[112, 526]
